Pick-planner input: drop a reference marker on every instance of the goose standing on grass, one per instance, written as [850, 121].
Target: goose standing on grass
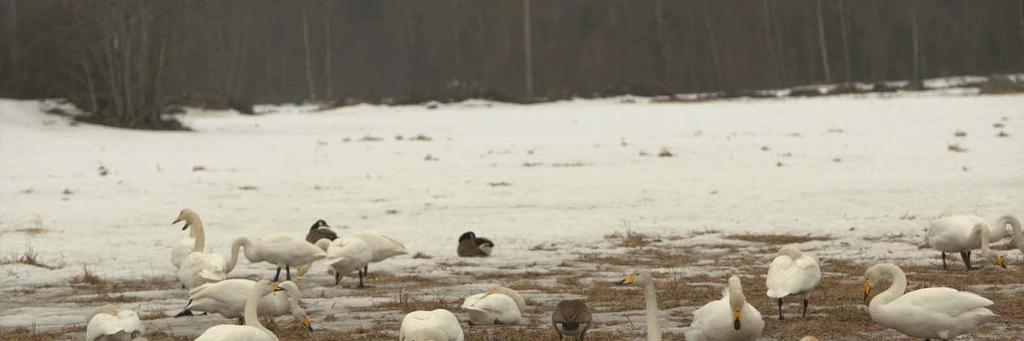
[471, 246]
[952, 234]
[227, 298]
[279, 249]
[499, 305]
[941, 313]
[345, 255]
[252, 330]
[198, 267]
[792, 273]
[571, 318]
[730, 318]
[959, 234]
[383, 247]
[110, 323]
[434, 325]
[320, 230]
[646, 281]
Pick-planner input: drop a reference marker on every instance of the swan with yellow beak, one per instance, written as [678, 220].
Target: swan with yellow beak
[728, 319]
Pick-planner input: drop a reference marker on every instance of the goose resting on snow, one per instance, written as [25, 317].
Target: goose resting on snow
[320, 230]
[792, 273]
[110, 323]
[941, 313]
[471, 246]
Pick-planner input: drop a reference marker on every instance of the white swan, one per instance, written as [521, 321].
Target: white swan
[499, 305]
[645, 280]
[730, 318]
[1018, 235]
[345, 255]
[252, 330]
[110, 323]
[963, 234]
[942, 313]
[383, 247]
[434, 325]
[227, 298]
[183, 247]
[792, 273]
[198, 267]
[279, 249]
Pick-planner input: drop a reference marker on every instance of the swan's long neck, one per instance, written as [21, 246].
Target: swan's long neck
[982, 230]
[199, 234]
[252, 303]
[293, 302]
[1018, 235]
[246, 246]
[898, 287]
[651, 301]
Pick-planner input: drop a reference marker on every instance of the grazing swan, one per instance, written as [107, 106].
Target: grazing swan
[252, 330]
[730, 318]
[345, 255]
[499, 305]
[434, 325]
[792, 273]
[383, 247]
[110, 323]
[227, 298]
[942, 313]
[1018, 235]
[199, 267]
[279, 249]
[184, 247]
[953, 235]
[646, 281]
[471, 246]
[320, 230]
[571, 319]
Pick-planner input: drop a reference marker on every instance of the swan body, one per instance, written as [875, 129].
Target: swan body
[227, 298]
[383, 247]
[728, 319]
[183, 247]
[252, 330]
[199, 267]
[110, 323]
[792, 273]
[499, 305]
[939, 312]
[279, 249]
[345, 255]
[471, 246]
[434, 325]
[646, 281]
[963, 234]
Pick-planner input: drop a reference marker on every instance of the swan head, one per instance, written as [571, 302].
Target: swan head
[791, 251]
[736, 301]
[426, 334]
[995, 258]
[265, 287]
[640, 278]
[874, 275]
[467, 235]
[319, 224]
[188, 216]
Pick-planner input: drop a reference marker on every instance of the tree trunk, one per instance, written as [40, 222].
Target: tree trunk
[305, 43]
[846, 39]
[528, 50]
[328, 46]
[915, 75]
[663, 47]
[714, 46]
[822, 44]
[773, 58]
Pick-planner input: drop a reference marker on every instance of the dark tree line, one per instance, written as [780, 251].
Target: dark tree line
[128, 58]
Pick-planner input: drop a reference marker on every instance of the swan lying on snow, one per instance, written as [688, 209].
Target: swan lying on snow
[646, 281]
[571, 318]
[110, 323]
[730, 318]
[345, 255]
[199, 267]
[963, 234]
[942, 313]
[499, 305]
[279, 249]
[792, 273]
[227, 298]
[434, 325]
[471, 246]
[252, 330]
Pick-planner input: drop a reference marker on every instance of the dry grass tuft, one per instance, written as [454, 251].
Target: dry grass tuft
[29, 257]
[421, 255]
[664, 152]
[629, 239]
[777, 239]
[956, 148]
[1002, 133]
[87, 278]
[959, 133]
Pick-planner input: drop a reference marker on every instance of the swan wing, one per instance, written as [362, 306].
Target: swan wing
[225, 297]
[491, 306]
[285, 249]
[113, 322]
[383, 246]
[447, 322]
[226, 332]
[787, 277]
[942, 300]
[348, 254]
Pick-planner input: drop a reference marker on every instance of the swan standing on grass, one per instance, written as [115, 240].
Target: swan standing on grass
[728, 319]
[792, 273]
[227, 298]
[571, 318]
[199, 267]
[953, 234]
[646, 281]
[941, 313]
[434, 325]
[499, 305]
[383, 247]
[252, 330]
[110, 323]
[279, 249]
[345, 255]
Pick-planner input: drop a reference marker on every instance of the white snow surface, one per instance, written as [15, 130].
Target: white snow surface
[566, 172]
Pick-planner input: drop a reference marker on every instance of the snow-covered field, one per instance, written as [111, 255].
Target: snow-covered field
[548, 183]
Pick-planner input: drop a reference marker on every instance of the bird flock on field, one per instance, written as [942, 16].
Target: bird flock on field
[930, 313]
